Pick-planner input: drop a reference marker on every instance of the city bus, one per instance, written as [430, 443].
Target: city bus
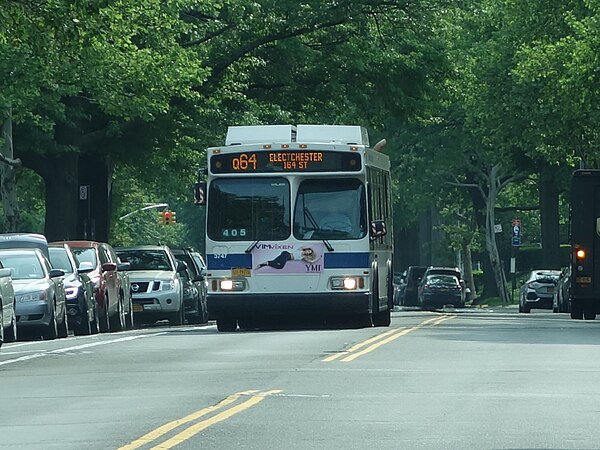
[298, 224]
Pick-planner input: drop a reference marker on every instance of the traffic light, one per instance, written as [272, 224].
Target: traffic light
[173, 217]
[161, 217]
[167, 217]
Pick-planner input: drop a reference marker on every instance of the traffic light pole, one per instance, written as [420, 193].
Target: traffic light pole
[157, 205]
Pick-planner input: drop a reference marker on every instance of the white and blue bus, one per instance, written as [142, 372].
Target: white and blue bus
[298, 222]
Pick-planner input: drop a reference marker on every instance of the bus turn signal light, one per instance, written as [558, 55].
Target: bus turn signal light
[580, 254]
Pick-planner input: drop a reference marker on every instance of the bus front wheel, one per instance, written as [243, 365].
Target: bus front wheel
[226, 324]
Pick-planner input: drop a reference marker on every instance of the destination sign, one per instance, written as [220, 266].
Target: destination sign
[285, 161]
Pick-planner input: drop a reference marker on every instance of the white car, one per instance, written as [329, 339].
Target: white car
[8, 315]
[156, 286]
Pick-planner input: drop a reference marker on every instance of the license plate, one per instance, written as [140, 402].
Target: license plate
[138, 308]
[238, 272]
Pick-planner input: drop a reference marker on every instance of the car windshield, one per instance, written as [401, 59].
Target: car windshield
[146, 259]
[249, 209]
[330, 209]
[86, 255]
[60, 260]
[24, 266]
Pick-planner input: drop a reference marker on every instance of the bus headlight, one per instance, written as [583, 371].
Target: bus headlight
[232, 285]
[343, 283]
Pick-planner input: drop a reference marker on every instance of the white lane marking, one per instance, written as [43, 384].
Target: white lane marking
[75, 348]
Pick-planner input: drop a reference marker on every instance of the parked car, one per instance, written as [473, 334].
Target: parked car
[82, 313]
[112, 292]
[561, 301]
[39, 291]
[399, 282]
[8, 315]
[414, 274]
[155, 283]
[194, 285]
[538, 290]
[439, 289]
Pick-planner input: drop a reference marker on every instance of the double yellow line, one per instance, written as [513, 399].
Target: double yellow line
[362, 348]
[255, 398]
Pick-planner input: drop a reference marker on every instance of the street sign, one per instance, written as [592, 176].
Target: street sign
[516, 232]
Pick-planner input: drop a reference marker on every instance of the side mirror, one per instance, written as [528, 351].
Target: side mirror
[57, 273]
[109, 267]
[378, 229]
[5, 272]
[199, 277]
[124, 266]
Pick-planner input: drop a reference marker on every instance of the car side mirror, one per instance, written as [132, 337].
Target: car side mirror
[181, 266]
[57, 273]
[109, 266]
[5, 272]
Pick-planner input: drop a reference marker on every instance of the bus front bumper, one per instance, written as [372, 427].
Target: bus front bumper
[286, 304]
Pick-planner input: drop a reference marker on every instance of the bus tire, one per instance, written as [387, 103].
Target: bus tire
[226, 324]
[576, 310]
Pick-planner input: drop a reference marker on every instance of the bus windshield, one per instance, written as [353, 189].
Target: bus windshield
[330, 209]
[249, 209]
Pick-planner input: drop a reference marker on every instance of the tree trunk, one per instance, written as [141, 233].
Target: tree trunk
[468, 268]
[490, 235]
[548, 195]
[59, 172]
[94, 217]
[479, 207]
[9, 171]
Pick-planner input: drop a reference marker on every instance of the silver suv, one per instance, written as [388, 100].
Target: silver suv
[156, 286]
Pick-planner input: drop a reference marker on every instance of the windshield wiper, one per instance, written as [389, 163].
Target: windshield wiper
[316, 226]
[249, 249]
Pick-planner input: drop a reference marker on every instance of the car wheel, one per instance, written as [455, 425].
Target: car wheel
[129, 315]
[104, 322]
[117, 322]
[196, 318]
[1, 325]
[11, 334]
[178, 318]
[204, 317]
[63, 328]
[226, 324]
[94, 324]
[85, 326]
[51, 330]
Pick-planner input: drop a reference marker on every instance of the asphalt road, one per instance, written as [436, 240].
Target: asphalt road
[469, 379]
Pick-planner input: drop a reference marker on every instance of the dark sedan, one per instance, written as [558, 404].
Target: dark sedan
[438, 290]
[79, 290]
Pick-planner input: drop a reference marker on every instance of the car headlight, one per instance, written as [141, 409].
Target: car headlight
[71, 293]
[32, 297]
[167, 285]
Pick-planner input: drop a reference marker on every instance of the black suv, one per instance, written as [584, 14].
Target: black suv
[194, 285]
